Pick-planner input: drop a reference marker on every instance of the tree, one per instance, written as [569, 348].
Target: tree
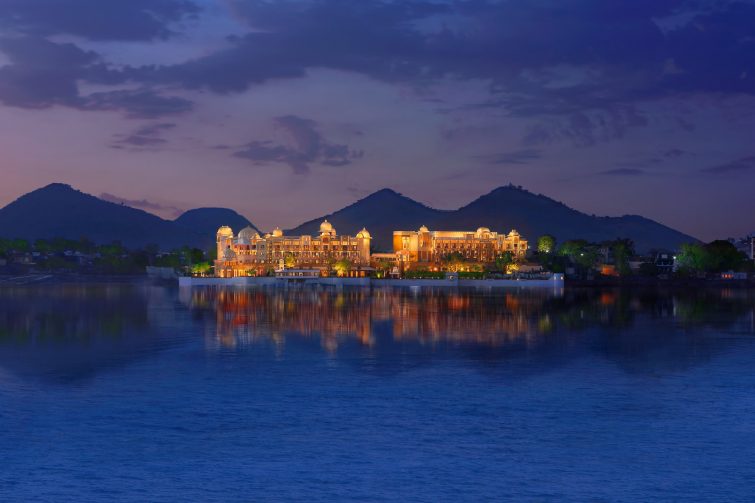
[201, 268]
[453, 262]
[289, 260]
[152, 249]
[343, 266]
[8, 246]
[648, 269]
[580, 253]
[692, 257]
[504, 260]
[622, 250]
[384, 267]
[546, 244]
[197, 255]
[723, 256]
[42, 246]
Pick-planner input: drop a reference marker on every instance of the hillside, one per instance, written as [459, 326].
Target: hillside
[205, 222]
[381, 213]
[58, 210]
[501, 210]
[534, 215]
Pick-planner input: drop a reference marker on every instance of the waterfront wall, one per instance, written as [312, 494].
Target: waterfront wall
[556, 281]
[241, 281]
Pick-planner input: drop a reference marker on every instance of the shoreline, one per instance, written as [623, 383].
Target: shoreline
[555, 281]
[45, 278]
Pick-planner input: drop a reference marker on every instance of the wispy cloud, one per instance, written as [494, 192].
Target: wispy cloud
[147, 137]
[622, 172]
[745, 164]
[523, 156]
[164, 210]
[306, 146]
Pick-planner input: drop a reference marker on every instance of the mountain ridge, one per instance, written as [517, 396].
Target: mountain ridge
[502, 209]
[59, 210]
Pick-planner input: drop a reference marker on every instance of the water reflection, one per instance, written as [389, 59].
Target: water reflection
[71, 331]
[238, 317]
[624, 321]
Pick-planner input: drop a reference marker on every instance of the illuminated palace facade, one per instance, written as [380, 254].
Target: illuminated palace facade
[431, 247]
[249, 254]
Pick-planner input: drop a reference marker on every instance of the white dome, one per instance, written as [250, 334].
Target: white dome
[225, 232]
[246, 235]
[277, 232]
[424, 229]
[363, 234]
[326, 226]
[247, 232]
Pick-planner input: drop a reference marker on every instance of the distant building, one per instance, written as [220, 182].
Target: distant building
[732, 275]
[431, 247]
[665, 262]
[248, 253]
[746, 246]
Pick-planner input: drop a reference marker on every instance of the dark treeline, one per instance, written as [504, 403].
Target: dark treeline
[618, 257]
[578, 257]
[84, 256]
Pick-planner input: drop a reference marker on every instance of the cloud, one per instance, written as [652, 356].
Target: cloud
[674, 152]
[146, 137]
[516, 157]
[586, 128]
[622, 172]
[42, 74]
[580, 67]
[306, 147]
[143, 204]
[561, 56]
[137, 104]
[745, 164]
[96, 19]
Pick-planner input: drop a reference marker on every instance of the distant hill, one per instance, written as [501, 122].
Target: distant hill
[58, 210]
[205, 222]
[501, 210]
[381, 213]
[534, 215]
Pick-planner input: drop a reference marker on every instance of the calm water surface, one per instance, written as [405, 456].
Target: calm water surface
[148, 393]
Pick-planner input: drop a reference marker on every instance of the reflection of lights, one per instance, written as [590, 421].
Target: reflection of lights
[607, 298]
[243, 317]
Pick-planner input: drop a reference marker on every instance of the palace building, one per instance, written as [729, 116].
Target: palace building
[249, 254]
[431, 247]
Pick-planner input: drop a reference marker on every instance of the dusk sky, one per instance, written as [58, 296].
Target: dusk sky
[286, 110]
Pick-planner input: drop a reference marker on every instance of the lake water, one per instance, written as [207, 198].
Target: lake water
[124, 392]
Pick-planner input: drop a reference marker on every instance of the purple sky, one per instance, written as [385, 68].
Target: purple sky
[285, 110]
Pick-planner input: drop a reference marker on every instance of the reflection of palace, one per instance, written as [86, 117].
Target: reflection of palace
[243, 315]
[436, 316]
[482, 245]
[249, 253]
